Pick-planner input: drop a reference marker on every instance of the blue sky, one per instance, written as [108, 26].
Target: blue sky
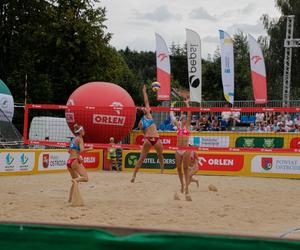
[134, 22]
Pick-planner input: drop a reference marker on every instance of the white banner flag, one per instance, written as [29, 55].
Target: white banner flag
[194, 65]
[227, 66]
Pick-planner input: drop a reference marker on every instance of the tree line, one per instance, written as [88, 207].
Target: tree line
[60, 44]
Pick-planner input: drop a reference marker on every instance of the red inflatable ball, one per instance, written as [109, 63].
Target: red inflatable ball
[104, 109]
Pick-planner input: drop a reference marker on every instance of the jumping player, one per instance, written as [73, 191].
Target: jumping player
[151, 136]
[74, 164]
[183, 157]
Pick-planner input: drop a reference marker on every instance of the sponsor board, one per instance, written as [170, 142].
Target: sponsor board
[259, 142]
[276, 164]
[17, 161]
[91, 160]
[214, 162]
[58, 160]
[295, 143]
[210, 141]
[53, 161]
[166, 140]
[151, 161]
[207, 162]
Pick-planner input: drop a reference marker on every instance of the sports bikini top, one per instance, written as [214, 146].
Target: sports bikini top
[73, 144]
[146, 123]
[183, 131]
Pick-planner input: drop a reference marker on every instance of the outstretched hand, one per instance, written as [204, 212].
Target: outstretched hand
[187, 100]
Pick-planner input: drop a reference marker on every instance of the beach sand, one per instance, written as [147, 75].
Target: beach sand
[242, 205]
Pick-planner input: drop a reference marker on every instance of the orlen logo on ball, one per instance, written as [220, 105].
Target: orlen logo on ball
[109, 119]
[211, 162]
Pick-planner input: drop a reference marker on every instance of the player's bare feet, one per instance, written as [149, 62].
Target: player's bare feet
[188, 197]
[176, 197]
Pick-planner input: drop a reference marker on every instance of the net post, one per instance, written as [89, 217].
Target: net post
[25, 127]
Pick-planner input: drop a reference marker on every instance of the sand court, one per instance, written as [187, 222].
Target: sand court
[241, 205]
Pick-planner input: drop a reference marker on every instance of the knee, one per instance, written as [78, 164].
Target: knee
[142, 157]
[85, 179]
[179, 170]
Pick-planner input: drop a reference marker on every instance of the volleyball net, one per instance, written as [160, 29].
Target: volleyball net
[212, 129]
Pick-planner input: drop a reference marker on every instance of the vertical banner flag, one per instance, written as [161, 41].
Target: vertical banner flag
[227, 65]
[194, 65]
[258, 71]
[163, 68]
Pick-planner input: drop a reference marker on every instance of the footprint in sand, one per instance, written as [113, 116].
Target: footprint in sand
[74, 217]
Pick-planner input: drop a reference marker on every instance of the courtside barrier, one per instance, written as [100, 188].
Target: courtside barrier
[239, 163]
[33, 161]
[25, 237]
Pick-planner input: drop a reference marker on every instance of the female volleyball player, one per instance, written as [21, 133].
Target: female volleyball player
[151, 136]
[183, 157]
[74, 164]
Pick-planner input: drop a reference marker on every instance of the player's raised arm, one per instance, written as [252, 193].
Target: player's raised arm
[189, 114]
[172, 116]
[146, 100]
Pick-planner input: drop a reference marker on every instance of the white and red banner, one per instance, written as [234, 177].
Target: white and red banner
[216, 162]
[163, 68]
[194, 65]
[258, 71]
[227, 66]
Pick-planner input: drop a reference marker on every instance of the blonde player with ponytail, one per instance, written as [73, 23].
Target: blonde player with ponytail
[75, 162]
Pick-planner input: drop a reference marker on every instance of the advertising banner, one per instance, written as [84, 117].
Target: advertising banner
[194, 65]
[258, 71]
[210, 141]
[259, 142]
[53, 160]
[227, 66]
[17, 161]
[276, 164]
[163, 68]
[151, 162]
[91, 159]
[295, 142]
[170, 140]
[216, 162]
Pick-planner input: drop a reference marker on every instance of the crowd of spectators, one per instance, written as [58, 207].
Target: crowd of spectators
[232, 121]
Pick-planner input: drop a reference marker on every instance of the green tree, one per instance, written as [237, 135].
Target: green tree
[276, 29]
[59, 45]
[242, 79]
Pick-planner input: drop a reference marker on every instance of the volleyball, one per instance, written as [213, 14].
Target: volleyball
[155, 86]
